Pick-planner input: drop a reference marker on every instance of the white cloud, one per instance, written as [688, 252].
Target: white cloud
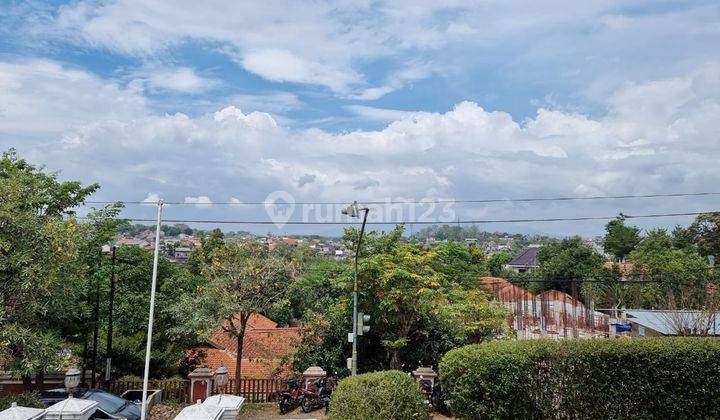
[201, 201]
[235, 200]
[180, 79]
[63, 97]
[151, 197]
[656, 136]
[379, 114]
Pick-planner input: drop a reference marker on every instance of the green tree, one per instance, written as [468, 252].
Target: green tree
[564, 261]
[705, 231]
[132, 296]
[675, 273]
[620, 239]
[39, 279]
[242, 279]
[202, 255]
[497, 261]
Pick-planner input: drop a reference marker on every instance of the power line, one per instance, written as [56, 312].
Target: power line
[427, 201]
[417, 222]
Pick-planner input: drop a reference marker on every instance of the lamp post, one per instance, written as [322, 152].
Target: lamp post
[221, 377]
[354, 211]
[72, 380]
[108, 361]
[153, 286]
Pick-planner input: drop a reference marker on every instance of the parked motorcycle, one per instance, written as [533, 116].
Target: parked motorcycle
[291, 397]
[318, 395]
[438, 399]
[436, 396]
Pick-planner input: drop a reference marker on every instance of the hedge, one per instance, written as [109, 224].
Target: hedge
[389, 394]
[622, 378]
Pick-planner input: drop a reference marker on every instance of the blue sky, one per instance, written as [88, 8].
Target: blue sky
[332, 101]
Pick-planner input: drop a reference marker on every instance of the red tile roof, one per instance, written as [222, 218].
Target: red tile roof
[264, 347]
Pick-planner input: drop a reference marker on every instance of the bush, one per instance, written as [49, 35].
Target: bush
[389, 394]
[28, 399]
[637, 378]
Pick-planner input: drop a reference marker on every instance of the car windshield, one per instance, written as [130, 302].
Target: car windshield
[108, 402]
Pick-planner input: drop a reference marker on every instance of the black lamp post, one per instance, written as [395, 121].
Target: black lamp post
[354, 211]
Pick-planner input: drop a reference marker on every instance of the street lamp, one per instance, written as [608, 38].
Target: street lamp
[354, 211]
[221, 377]
[72, 380]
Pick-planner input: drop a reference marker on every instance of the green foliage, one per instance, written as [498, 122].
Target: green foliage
[497, 261]
[566, 260]
[682, 273]
[422, 302]
[130, 312]
[27, 399]
[644, 378]
[620, 239]
[42, 268]
[242, 279]
[705, 232]
[391, 395]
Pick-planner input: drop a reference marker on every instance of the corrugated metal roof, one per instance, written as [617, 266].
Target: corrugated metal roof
[674, 322]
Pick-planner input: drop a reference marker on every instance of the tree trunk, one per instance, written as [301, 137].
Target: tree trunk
[395, 359]
[40, 381]
[238, 361]
[27, 383]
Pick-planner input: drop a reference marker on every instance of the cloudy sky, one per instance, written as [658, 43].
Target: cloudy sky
[206, 102]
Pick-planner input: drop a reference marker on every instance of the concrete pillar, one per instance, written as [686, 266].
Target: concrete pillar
[200, 384]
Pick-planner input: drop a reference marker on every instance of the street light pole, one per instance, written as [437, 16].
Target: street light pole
[143, 412]
[108, 362]
[353, 211]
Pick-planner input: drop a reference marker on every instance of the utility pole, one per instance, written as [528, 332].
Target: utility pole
[96, 324]
[143, 412]
[353, 211]
[108, 362]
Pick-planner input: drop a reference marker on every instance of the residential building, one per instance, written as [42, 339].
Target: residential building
[525, 261]
[266, 349]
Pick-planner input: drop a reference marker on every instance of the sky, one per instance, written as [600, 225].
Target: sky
[335, 101]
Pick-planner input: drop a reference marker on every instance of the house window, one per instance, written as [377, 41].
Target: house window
[641, 331]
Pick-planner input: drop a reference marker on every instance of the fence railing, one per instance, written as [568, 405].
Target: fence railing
[254, 390]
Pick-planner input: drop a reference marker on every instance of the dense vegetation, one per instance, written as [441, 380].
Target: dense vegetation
[649, 378]
[389, 394]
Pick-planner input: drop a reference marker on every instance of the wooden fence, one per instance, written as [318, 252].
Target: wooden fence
[254, 390]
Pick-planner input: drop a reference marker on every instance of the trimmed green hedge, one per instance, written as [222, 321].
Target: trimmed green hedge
[389, 394]
[634, 378]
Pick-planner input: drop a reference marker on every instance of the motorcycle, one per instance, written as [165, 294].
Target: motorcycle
[436, 396]
[317, 396]
[291, 397]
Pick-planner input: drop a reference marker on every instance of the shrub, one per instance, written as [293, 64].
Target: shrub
[388, 395]
[28, 399]
[637, 378]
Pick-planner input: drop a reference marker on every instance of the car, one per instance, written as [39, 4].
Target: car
[110, 406]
